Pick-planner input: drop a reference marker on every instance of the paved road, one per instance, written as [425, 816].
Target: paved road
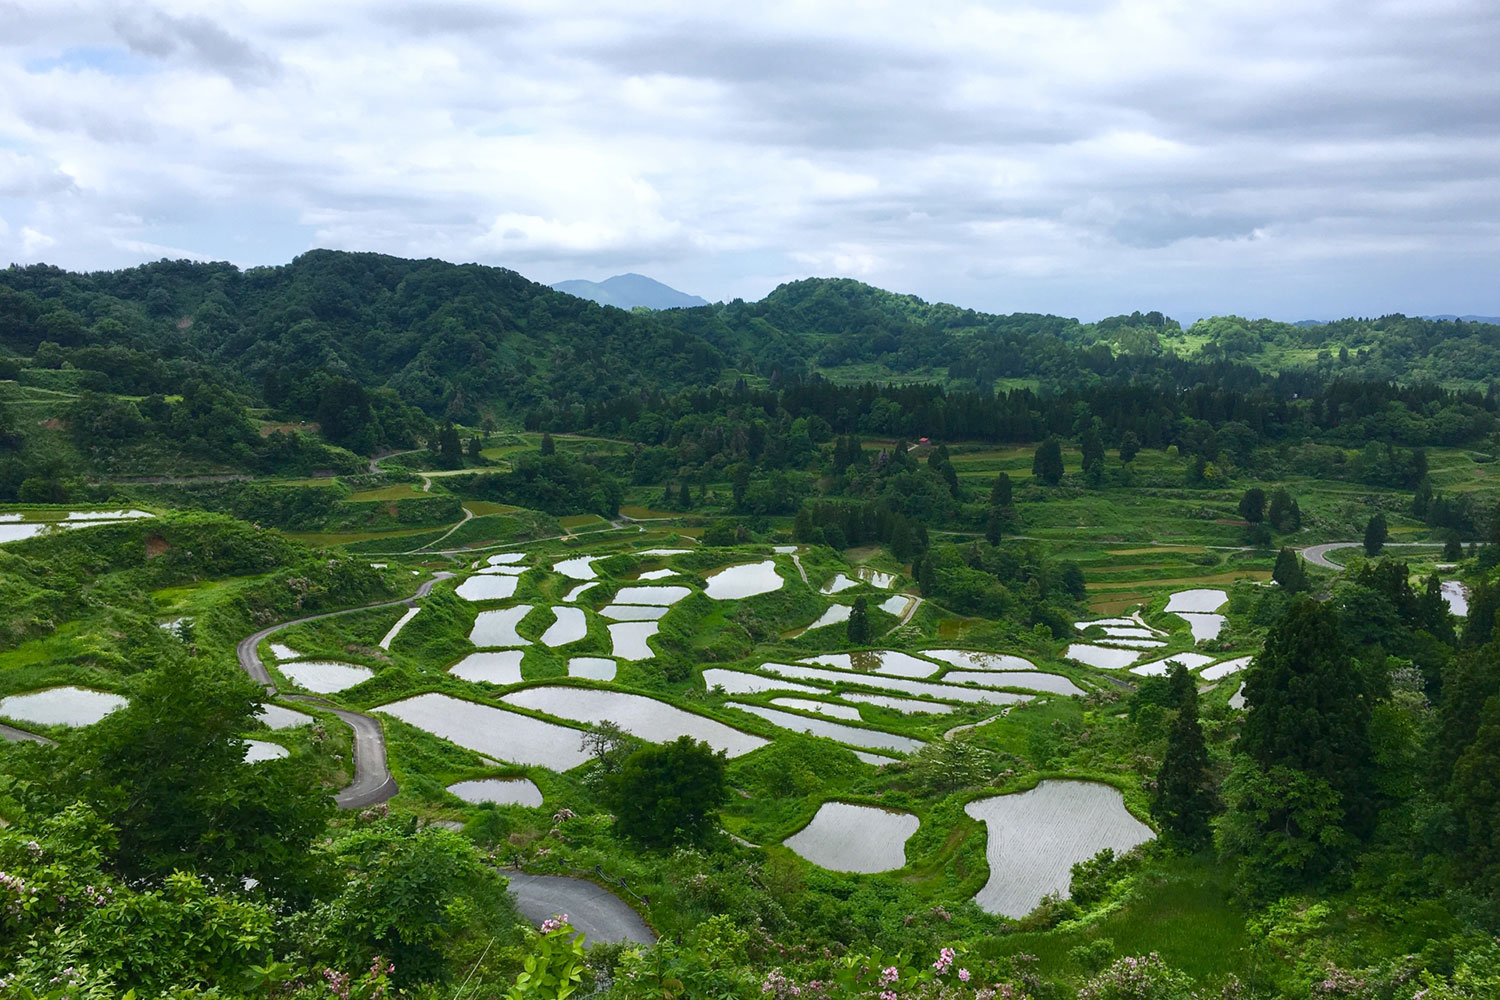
[372, 778]
[22, 736]
[597, 912]
[1317, 555]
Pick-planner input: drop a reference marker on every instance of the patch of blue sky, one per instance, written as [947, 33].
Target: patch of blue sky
[109, 60]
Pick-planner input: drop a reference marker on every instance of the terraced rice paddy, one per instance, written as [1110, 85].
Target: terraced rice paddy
[390, 636]
[498, 628]
[487, 588]
[1457, 598]
[570, 626]
[503, 570]
[628, 640]
[740, 682]
[494, 732]
[506, 558]
[656, 574]
[896, 605]
[948, 692]
[500, 791]
[1035, 837]
[735, 583]
[828, 708]
[875, 577]
[633, 612]
[1224, 669]
[1103, 657]
[277, 717]
[907, 706]
[1237, 700]
[61, 706]
[657, 596]
[597, 668]
[839, 583]
[835, 614]
[324, 676]
[638, 715]
[1032, 680]
[878, 661]
[503, 667]
[259, 750]
[578, 568]
[283, 652]
[971, 659]
[1204, 626]
[851, 838]
[873, 739]
[577, 591]
[1158, 668]
[1196, 601]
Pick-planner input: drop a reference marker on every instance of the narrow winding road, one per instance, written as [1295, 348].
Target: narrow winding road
[1317, 555]
[594, 910]
[372, 778]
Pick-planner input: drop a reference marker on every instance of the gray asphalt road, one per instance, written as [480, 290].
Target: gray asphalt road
[1317, 555]
[372, 778]
[597, 912]
[21, 735]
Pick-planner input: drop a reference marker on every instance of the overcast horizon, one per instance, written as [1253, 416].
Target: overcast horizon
[1296, 161]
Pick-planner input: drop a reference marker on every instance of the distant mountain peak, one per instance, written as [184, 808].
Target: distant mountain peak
[627, 291]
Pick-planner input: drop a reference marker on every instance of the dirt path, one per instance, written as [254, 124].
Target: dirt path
[800, 571]
[372, 778]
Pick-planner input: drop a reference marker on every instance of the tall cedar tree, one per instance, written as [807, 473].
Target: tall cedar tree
[1289, 572]
[1453, 548]
[1001, 492]
[1307, 710]
[1130, 446]
[1253, 505]
[1475, 797]
[1047, 462]
[549, 446]
[1375, 533]
[1092, 448]
[450, 448]
[1184, 803]
[669, 793]
[859, 623]
[994, 525]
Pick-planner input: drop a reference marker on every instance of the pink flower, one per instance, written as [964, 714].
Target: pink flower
[963, 975]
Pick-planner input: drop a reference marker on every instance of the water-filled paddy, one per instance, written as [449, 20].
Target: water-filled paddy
[596, 668]
[494, 732]
[396, 628]
[1101, 656]
[1032, 680]
[283, 652]
[1457, 598]
[949, 692]
[578, 568]
[740, 682]
[656, 574]
[733, 583]
[503, 667]
[277, 717]
[827, 708]
[628, 640]
[663, 552]
[875, 577]
[972, 659]
[1204, 626]
[1133, 643]
[1226, 668]
[487, 588]
[323, 676]
[840, 582]
[879, 661]
[659, 596]
[501, 791]
[833, 616]
[503, 570]
[851, 838]
[61, 706]
[633, 612]
[1157, 668]
[506, 558]
[1196, 601]
[638, 715]
[896, 605]
[498, 628]
[259, 750]
[1237, 700]
[907, 706]
[1036, 836]
[874, 739]
[574, 594]
[570, 626]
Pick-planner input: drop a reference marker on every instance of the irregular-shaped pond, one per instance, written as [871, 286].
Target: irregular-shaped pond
[850, 838]
[1035, 837]
[628, 640]
[1201, 601]
[1101, 656]
[839, 583]
[283, 652]
[277, 717]
[746, 580]
[498, 628]
[61, 706]
[597, 668]
[501, 791]
[638, 715]
[259, 750]
[579, 568]
[570, 626]
[487, 588]
[503, 667]
[1457, 598]
[875, 739]
[1204, 626]
[494, 732]
[323, 676]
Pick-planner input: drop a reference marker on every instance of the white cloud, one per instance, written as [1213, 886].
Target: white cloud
[1085, 157]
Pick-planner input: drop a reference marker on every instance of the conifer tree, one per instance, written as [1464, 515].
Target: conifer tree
[903, 541]
[1184, 804]
[1375, 534]
[1047, 462]
[1130, 446]
[1453, 548]
[549, 446]
[994, 526]
[1289, 572]
[859, 623]
[1092, 448]
[1001, 492]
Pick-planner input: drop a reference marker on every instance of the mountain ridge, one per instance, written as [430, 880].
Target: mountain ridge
[629, 291]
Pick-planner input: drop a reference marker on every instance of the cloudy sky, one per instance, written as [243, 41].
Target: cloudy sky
[1284, 158]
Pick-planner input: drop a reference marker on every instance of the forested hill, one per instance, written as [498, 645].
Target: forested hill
[465, 341]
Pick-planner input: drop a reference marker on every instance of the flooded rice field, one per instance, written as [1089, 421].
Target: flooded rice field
[596, 668]
[628, 640]
[487, 588]
[61, 706]
[503, 667]
[498, 628]
[494, 732]
[570, 626]
[874, 739]
[733, 583]
[500, 791]
[325, 676]
[850, 838]
[638, 715]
